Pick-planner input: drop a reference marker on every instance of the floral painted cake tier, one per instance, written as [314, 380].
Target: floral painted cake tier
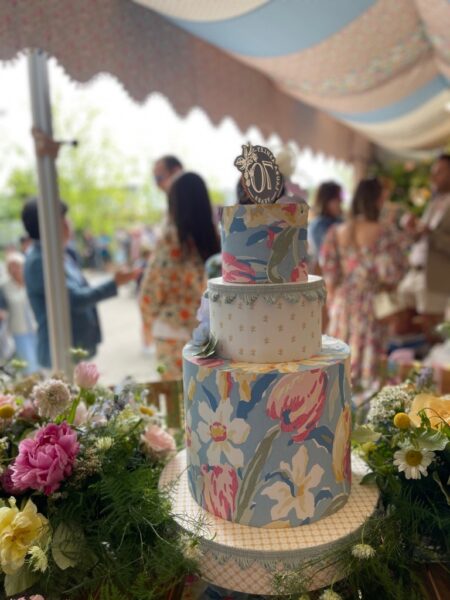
[264, 244]
[268, 445]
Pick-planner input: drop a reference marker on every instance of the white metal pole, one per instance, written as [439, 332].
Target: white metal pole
[56, 297]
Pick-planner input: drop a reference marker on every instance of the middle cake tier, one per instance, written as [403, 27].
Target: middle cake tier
[268, 322]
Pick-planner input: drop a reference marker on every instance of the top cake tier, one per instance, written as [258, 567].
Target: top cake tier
[264, 243]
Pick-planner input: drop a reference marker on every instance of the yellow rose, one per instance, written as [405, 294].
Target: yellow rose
[437, 409]
[19, 530]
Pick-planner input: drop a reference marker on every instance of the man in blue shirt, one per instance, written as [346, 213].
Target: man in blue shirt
[83, 297]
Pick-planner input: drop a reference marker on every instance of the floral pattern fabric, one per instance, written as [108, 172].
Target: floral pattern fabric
[357, 275]
[171, 292]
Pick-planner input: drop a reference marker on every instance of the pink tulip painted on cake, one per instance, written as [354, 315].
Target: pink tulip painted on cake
[220, 486]
[300, 272]
[86, 375]
[298, 401]
[45, 461]
[235, 271]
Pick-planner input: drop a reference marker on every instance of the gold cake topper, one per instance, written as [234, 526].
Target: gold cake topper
[261, 176]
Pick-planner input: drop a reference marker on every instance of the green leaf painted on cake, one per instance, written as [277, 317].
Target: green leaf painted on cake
[335, 505]
[333, 402]
[253, 471]
[280, 249]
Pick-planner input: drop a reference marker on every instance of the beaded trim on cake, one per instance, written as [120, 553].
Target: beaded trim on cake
[270, 293]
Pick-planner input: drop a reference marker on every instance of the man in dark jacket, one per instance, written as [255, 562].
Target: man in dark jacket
[83, 297]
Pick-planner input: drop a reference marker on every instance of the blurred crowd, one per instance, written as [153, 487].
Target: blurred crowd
[388, 278]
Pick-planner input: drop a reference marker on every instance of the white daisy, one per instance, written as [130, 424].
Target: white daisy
[222, 433]
[413, 462]
[295, 494]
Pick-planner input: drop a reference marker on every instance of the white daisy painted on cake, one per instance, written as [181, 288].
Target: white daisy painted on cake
[192, 441]
[222, 433]
[294, 491]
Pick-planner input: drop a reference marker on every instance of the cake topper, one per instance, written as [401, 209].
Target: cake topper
[261, 176]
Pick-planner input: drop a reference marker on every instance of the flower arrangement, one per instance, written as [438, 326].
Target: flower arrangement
[202, 337]
[81, 515]
[405, 442]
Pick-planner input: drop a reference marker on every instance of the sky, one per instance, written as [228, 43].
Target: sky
[143, 131]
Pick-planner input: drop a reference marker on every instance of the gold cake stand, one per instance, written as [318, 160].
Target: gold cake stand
[245, 559]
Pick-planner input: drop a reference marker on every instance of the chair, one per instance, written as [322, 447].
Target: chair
[167, 396]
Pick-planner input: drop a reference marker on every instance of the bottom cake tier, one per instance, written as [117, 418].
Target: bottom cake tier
[268, 445]
[246, 559]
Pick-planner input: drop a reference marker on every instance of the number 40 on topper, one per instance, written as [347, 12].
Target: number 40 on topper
[261, 177]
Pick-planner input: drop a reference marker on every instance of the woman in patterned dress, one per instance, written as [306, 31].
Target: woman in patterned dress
[359, 259]
[174, 280]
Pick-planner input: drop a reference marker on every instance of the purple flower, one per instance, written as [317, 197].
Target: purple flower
[200, 335]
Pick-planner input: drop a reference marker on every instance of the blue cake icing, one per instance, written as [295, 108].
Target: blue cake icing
[264, 244]
[268, 445]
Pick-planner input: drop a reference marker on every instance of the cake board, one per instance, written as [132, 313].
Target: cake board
[245, 559]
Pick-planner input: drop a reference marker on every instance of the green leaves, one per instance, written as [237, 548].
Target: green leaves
[208, 349]
[445, 488]
[19, 581]
[67, 545]
[364, 433]
[431, 439]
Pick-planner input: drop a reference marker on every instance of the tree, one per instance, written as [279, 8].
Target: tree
[94, 180]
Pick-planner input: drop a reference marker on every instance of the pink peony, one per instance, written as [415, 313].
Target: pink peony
[298, 400]
[33, 597]
[86, 375]
[156, 440]
[45, 461]
[220, 486]
[7, 483]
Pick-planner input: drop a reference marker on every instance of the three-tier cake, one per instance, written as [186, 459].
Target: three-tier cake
[268, 417]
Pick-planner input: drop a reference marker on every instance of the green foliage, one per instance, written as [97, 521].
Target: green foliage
[409, 182]
[103, 189]
[111, 534]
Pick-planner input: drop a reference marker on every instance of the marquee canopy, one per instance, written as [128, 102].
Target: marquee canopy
[380, 66]
[147, 53]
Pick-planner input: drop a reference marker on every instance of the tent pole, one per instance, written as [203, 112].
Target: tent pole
[56, 297]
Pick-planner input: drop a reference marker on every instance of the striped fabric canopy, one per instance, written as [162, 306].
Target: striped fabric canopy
[380, 66]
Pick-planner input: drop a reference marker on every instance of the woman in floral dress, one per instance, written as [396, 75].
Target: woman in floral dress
[174, 281]
[360, 259]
